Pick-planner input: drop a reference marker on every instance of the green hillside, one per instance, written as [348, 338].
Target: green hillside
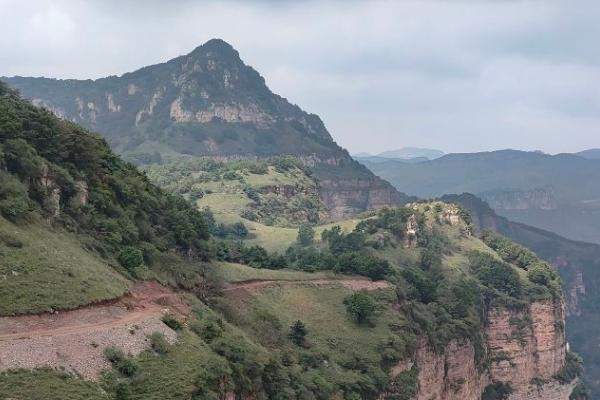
[71, 212]
[327, 316]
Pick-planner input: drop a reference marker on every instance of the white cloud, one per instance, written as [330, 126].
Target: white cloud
[459, 75]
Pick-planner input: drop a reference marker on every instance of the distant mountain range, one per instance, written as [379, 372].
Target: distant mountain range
[591, 154]
[406, 154]
[209, 103]
[560, 193]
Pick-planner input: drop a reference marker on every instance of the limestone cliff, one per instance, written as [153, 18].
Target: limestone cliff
[538, 198]
[523, 348]
[346, 197]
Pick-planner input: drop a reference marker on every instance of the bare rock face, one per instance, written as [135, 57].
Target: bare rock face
[412, 228]
[52, 193]
[81, 196]
[539, 198]
[526, 346]
[346, 197]
[576, 291]
[288, 191]
[523, 348]
[451, 215]
[452, 375]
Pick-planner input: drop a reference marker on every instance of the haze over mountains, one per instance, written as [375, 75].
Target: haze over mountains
[408, 154]
[559, 193]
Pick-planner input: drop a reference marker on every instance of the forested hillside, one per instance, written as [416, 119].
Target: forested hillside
[69, 208]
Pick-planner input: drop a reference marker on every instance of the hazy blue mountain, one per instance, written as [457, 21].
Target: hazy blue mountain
[412, 152]
[593, 154]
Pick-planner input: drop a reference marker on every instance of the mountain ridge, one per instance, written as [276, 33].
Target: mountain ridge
[209, 103]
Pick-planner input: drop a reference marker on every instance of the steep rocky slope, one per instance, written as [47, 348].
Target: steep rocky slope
[577, 263]
[209, 102]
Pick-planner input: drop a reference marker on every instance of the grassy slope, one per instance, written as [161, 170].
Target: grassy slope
[227, 206]
[230, 272]
[322, 309]
[174, 375]
[45, 384]
[50, 270]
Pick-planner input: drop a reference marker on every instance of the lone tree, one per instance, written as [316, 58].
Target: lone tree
[298, 333]
[360, 306]
[306, 235]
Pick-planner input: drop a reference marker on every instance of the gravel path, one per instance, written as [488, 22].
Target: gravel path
[75, 340]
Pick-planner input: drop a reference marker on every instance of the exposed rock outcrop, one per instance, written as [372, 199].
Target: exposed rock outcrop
[347, 197]
[50, 191]
[81, 195]
[539, 198]
[523, 348]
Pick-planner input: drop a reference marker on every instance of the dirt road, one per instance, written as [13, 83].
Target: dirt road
[76, 339]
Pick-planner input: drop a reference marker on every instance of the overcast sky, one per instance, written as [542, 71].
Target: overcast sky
[455, 75]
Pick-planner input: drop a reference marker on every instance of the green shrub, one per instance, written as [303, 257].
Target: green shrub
[130, 258]
[114, 355]
[541, 273]
[207, 330]
[14, 200]
[510, 251]
[10, 241]
[306, 235]
[495, 274]
[159, 343]
[128, 367]
[497, 391]
[404, 386]
[580, 392]
[172, 322]
[125, 365]
[360, 306]
[572, 369]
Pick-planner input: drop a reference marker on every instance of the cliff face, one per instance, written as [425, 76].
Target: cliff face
[540, 199]
[350, 196]
[523, 348]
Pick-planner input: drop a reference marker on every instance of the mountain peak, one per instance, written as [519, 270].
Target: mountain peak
[216, 47]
